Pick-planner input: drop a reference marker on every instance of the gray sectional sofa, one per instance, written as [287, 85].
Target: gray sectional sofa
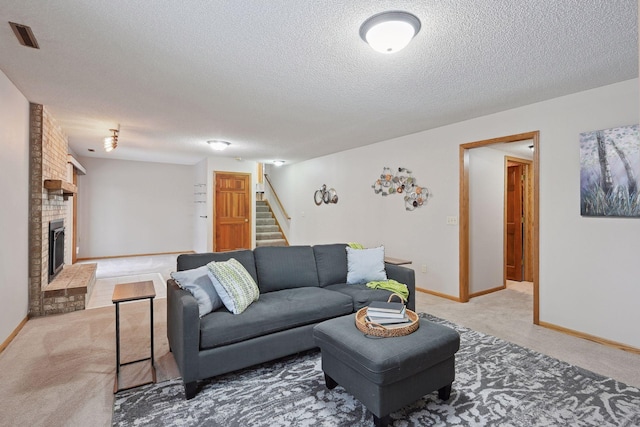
[300, 286]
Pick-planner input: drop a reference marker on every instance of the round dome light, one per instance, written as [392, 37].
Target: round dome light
[390, 32]
[218, 145]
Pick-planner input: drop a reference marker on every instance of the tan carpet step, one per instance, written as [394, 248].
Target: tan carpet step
[265, 221]
[275, 242]
[276, 235]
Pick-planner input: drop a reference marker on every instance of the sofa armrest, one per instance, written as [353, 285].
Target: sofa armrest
[183, 330]
[408, 277]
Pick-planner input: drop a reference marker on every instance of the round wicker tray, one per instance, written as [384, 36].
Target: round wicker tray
[376, 330]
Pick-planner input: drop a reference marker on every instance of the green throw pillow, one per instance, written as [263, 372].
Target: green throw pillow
[234, 284]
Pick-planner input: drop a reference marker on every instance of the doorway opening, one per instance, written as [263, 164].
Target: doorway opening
[530, 239]
[518, 223]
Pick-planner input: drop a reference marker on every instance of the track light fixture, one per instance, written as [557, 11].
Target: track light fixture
[111, 142]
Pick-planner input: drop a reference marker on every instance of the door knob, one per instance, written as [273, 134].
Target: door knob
[246, 220]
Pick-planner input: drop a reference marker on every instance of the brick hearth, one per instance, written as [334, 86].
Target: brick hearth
[70, 289]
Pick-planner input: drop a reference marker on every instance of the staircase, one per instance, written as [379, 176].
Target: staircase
[268, 231]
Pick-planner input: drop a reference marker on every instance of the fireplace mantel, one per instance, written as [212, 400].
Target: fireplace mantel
[66, 188]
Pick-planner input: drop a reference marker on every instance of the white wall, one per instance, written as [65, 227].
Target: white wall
[130, 208]
[486, 219]
[68, 232]
[587, 281]
[201, 213]
[14, 215]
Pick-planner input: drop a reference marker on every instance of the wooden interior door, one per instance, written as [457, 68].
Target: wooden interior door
[232, 226]
[514, 222]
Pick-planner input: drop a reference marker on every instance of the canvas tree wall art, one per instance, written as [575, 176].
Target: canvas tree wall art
[609, 172]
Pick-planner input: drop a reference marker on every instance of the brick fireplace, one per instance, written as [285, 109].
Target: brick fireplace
[48, 161]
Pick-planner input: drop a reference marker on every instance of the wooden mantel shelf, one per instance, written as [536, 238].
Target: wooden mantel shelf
[67, 188]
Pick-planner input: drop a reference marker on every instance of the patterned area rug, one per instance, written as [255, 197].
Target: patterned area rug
[497, 384]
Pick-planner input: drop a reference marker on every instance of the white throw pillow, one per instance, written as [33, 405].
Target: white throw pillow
[198, 283]
[365, 265]
[234, 284]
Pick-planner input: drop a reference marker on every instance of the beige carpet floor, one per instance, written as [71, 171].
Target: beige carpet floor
[59, 370]
[508, 314]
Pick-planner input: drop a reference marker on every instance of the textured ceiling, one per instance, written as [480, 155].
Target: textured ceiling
[291, 79]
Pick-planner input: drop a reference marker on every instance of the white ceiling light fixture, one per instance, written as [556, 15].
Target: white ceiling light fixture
[111, 142]
[278, 162]
[390, 32]
[218, 145]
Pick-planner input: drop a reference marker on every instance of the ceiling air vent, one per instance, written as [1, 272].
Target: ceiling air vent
[25, 35]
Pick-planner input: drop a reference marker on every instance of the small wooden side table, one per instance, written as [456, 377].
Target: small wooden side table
[396, 261]
[133, 292]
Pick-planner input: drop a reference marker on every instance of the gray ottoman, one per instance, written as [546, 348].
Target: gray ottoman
[386, 374]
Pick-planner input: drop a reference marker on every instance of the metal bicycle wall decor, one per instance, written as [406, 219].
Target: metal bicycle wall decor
[324, 195]
[402, 182]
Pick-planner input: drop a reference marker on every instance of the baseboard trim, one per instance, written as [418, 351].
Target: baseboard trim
[135, 255]
[589, 337]
[13, 334]
[438, 294]
[487, 291]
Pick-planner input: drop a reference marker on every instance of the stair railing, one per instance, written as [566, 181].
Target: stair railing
[273, 191]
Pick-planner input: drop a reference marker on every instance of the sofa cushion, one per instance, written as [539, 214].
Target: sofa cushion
[331, 261]
[285, 267]
[360, 294]
[365, 265]
[198, 283]
[244, 257]
[234, 284]
[274, 311]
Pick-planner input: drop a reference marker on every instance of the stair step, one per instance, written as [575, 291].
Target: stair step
[269, 236]
[274, 242]
[266, 228]
[264, 214]
[264, 208]
[265, 221]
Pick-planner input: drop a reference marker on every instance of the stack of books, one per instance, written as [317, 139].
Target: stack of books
[388, 314]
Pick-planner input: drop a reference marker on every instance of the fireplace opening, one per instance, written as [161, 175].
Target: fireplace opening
[56, 247]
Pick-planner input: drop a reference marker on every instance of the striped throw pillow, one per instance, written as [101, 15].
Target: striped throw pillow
[234, 284]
